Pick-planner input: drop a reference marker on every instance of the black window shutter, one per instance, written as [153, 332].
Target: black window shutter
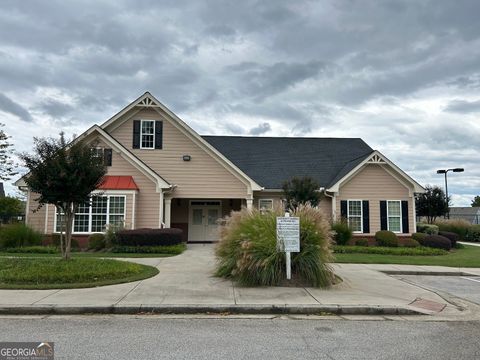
[343, 209]
[107, 157]
[158, 134]
[366, 216]
[136, 134]
[383, 215]
[405, 227]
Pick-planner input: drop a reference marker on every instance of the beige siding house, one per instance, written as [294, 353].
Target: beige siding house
[161, 173]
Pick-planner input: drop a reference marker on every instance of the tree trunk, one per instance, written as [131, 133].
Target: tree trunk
[69, 214]
[62, 231]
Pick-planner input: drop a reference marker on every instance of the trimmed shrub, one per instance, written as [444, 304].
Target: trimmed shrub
[378, 250]
[411, 243]
[361, 242]
[342, 232]
[247, 251]
[33, 250]
[386, 238]
[436, 241]
[96, 242]
[473, 234]
[418, 236]
[169, 249]
[149, 237]
[453, 237]
[457, 226]
[17, 235]
[427, 228]
[111, 234]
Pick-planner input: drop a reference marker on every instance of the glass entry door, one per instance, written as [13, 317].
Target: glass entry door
[203, 222]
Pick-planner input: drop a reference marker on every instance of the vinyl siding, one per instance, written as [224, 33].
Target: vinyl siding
[374, 184]
[35, 218]
[202, 177]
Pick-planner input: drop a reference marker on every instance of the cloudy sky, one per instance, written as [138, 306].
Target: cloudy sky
[403, 75]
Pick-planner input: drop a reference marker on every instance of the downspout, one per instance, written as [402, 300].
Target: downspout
[334, 205]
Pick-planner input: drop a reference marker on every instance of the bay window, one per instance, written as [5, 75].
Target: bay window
[94, 216]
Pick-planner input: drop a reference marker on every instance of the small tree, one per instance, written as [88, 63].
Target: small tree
[10, 207]
[63, 175]
[432, 203]
[300, 191]
[476, 201]
[6, 163]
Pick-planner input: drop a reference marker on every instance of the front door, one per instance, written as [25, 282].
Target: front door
[203, 220]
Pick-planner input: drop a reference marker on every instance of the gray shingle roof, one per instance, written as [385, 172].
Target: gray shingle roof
[272, 160]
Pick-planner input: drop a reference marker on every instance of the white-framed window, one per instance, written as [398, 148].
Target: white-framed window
[265, 204]
[355, 215]
[394, 215]
[147, 134]
[98, 152]
[96, 215]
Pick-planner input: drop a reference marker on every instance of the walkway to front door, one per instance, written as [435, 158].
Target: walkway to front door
[203, 220]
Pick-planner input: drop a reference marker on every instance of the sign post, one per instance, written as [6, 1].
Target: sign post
[288, 238]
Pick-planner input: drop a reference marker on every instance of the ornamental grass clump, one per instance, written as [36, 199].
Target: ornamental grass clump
[247, 251]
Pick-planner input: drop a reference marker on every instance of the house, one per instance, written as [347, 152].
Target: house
[467, 213]
[161, 173]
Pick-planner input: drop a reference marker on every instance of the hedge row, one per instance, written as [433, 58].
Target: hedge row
[403, 251]
[149, 237]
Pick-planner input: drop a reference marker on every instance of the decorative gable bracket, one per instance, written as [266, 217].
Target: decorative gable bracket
[147, 102]
[376, 159]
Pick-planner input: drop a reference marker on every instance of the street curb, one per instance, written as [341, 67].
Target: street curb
[211, 309]
[427, 273]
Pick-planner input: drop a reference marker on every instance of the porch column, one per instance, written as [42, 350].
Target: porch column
[168, 211]
[249, 203]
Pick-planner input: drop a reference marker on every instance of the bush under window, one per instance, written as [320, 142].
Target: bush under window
[149, 237]
[427, 228]
[386, 238]
[342, 232]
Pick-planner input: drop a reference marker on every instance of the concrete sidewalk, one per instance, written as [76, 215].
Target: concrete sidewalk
[186, 285]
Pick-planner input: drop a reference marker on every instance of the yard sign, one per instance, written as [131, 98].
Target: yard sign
[288, 238]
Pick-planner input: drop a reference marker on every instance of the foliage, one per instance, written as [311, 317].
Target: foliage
[473, 234]
[51, 273]
[247, 251]
[453, 237]
[55, 241]
[458, 226]
[32, 250]
[361, 242]
[342, 232]
[430, 229]
[9, 207]
[402, 251]
[149, 237]
[432, 203]
[168, 249]
[96, 242]
[111, 234]
[63, 175]
[419, 236]
[7, 167]
[386, 238]
[17, 235]
[436, 241]
[411, 243]
[300, 191]
[476, 201]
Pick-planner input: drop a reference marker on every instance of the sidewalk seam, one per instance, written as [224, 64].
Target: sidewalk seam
[314, 298]
[43, 298]
[128, 293]
[234, 294]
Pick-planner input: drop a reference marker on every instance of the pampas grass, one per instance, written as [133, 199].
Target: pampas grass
[247, 251]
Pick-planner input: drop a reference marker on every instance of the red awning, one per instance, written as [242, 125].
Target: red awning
[118, 183]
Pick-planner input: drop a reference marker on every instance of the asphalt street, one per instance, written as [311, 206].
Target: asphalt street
[157, 337]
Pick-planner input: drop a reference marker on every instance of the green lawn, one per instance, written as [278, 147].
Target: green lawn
[467, 257]
[86, 255]
[55, 273]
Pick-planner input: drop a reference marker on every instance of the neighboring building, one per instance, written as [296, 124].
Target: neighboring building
[161, 173]
[2, 190]
[467, 213]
